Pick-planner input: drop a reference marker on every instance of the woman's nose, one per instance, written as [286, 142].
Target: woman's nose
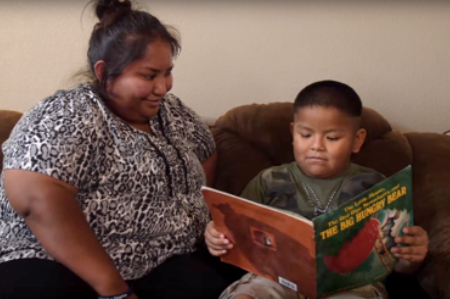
[160, 86]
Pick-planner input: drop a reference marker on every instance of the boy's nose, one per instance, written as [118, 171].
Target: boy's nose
[317, 145]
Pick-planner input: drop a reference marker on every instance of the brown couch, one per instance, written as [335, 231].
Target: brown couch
[253, 137]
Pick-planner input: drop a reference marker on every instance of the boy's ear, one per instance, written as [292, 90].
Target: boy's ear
[359, 140]
[292, 128]
[99, 69]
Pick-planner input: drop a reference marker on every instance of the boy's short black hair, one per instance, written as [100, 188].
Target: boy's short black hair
[330, 94]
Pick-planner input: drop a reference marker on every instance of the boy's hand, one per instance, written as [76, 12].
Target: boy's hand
[216, 241]
[416, 240]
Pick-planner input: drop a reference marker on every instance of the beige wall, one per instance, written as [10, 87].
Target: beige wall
[397, 56]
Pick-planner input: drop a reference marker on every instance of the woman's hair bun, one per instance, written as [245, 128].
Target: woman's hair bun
[106, 8]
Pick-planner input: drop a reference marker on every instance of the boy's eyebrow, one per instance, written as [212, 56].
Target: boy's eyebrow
[334, 130]
[326, 131]
[303, 127]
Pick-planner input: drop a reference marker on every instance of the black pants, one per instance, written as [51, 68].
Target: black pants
[197, 275]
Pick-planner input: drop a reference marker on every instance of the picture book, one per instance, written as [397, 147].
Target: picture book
[346, 248]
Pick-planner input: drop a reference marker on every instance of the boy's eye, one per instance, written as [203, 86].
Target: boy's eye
[333, 138]
[305, 135]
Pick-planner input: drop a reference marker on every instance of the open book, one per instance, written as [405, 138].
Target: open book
[346, 248]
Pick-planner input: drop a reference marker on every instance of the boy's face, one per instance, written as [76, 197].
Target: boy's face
[324, 139]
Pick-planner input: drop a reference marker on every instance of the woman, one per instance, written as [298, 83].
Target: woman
[100, 192]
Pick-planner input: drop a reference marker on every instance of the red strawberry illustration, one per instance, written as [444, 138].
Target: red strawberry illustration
[355, 252]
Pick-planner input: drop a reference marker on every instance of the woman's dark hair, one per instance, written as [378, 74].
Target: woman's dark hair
[330, 94]
[122, 36]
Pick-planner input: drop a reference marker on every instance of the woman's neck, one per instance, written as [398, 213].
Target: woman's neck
[145, 127]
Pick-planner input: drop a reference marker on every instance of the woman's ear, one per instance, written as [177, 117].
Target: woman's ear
[359, 140]
[99, 69]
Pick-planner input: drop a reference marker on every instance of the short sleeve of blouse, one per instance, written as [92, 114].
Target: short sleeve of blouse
[197, 131]
[54, 138]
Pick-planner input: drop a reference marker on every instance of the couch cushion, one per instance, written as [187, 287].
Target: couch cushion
[264, 126]
[375, 124]
[238, 161]
[8, 120]
[387, 154]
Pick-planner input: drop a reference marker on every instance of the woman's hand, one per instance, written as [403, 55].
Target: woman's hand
[215, 241]
[412, 255]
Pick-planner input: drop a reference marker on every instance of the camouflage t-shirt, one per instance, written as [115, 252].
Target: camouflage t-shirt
[284, 187]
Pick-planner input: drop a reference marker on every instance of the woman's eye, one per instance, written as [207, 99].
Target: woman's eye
[305, 135]
[149, 77]
[168, 74]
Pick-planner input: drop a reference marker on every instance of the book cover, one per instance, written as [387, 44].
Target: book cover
[353, 242]
[343, 249]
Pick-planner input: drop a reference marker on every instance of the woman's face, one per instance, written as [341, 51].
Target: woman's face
[135, 95]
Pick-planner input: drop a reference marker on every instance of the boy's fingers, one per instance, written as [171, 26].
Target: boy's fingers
[212, 240]
[217, 252]
[408, 240]
[412, 240]
[414, 230]
[409, 250]
[411, 258]
[219, 241]
[210, 235]
[217, 244]
[213, 245]
[212, 231]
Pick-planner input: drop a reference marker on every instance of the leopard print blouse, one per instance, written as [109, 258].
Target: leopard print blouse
[140, 192]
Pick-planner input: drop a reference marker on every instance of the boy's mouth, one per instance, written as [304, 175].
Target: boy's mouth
[319, 159]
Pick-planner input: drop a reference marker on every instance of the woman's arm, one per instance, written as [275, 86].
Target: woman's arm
[209, 166]
[50, 209]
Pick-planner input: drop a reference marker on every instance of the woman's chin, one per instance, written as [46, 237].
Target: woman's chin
[150, 112]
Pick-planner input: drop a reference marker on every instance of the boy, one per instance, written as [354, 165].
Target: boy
[326, 131]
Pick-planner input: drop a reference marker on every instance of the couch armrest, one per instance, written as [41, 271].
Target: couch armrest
[431, 183]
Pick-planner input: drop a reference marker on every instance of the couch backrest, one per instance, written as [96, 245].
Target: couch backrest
[253, 137]
[8, 120]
